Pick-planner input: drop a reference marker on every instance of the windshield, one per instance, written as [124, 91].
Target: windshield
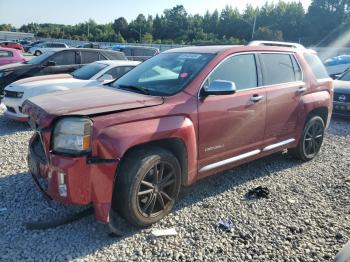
[39, 59]
[165, 74]
[345, 76]
[88, 71]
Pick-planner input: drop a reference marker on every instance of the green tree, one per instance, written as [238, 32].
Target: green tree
[6, 27]
[120, 25]
[120, 38]
[148, 38]
[264, 33]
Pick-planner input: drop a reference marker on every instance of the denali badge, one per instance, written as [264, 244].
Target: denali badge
[213, 148]
[342, 98]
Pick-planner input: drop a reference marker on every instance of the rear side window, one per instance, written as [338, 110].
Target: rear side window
[240, 69]
[316, 66]
[88, 57]
[6, 54]
[64, 58]
[278, 69]
[297, 70]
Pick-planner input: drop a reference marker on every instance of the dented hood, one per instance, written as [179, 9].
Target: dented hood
[100, 100]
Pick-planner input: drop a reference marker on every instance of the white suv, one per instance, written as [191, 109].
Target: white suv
[47, 46]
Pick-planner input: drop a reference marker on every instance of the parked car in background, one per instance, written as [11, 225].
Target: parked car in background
[151, 132]
[13, 45]
[54, 62]
[341, 100]
[24, 42]
[9, 56]
[27, 46]
[89, 45]
[94, 74]
[337, 65]
[138, 53]
[45, 47]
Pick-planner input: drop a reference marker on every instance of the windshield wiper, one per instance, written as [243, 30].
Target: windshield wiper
[135, 88]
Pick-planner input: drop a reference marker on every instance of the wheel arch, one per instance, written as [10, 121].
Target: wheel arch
[319, 111]
[174, 145]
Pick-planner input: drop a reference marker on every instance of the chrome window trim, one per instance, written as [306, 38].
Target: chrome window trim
[282, 143]
[229, 160]
[254, 53]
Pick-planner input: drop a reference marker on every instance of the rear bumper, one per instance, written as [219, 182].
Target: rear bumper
[84, 183]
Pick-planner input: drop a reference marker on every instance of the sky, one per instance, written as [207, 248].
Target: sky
[72, 12]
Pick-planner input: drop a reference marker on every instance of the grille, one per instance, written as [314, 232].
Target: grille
[13, 94]
[337, 95]
[38, 149]
[11, 109]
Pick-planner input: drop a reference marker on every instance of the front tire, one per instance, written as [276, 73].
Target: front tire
[148, 184]
[311, 140]
[37, 53]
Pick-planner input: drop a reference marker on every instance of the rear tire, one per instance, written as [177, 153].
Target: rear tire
[37, 53]
[147, 186]
[311, 139]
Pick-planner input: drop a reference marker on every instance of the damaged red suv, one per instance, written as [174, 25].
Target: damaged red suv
[182, 115]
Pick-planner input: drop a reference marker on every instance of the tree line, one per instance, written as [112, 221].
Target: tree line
[284, 21]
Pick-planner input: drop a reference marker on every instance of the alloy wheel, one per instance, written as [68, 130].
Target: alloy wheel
[313, 139]
[156, 190]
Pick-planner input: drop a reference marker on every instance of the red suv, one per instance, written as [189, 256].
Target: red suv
[182, 115]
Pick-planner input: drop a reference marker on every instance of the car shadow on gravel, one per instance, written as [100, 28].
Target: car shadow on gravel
[9, 126]
[228, 180]
[24, 203]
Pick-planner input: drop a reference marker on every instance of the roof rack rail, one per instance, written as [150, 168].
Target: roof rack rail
[276, 43]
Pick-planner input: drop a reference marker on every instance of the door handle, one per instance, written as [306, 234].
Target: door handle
[301, 89]
[256, 98]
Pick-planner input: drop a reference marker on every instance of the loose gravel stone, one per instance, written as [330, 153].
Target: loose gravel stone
[305, 217]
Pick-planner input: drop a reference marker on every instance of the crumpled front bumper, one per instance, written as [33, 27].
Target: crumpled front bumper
[86, 181]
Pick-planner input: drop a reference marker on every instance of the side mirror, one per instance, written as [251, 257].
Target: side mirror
[220, 87]
[105, 77]
[50, 63]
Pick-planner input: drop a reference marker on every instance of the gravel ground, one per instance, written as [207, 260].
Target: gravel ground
[305, 218]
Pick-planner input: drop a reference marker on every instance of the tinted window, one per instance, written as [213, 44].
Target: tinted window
[345, 76]
[88, 71]
[6, 54]
[64, 58]
[165, 74]
[240, 69]
[278, 69]
[88, 57]
[39, 59]
[316, 66]
[118, 71]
